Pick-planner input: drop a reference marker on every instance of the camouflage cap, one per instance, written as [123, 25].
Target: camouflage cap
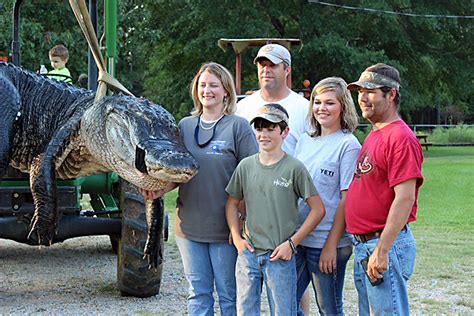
[272, 112]
[372, 80]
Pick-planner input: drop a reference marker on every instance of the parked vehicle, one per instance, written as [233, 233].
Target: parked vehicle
[117, 210]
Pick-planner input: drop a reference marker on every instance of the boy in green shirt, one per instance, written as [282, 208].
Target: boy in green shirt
[59, 56]
[270, 182]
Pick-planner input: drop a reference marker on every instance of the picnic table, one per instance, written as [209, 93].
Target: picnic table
[423, 139]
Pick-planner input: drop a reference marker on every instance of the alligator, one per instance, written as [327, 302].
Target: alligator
[53, 130]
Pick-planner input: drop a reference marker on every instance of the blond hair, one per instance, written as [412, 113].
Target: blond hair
[227, 83]
[349, 117]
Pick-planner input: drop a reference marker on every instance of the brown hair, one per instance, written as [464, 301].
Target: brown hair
[260, 122]
[227, 83]
[59, 51]
[349, 118]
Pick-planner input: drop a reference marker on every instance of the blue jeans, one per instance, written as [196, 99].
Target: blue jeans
[390, 297]
[279, 278]
[206, 264]
[327, 287]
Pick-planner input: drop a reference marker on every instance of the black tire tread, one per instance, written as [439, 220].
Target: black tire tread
[134, 278]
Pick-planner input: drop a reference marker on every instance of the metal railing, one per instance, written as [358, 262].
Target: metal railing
[424, 127]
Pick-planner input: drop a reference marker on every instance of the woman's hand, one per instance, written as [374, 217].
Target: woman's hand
[327, 260]
[151, 195]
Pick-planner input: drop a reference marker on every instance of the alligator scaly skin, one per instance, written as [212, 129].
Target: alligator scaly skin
[51, 130]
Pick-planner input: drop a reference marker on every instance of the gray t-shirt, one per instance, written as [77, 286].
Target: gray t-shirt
[201, 202]
[331, 162]
[271, 195]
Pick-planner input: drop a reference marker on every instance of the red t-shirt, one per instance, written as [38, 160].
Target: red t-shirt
[388, 157]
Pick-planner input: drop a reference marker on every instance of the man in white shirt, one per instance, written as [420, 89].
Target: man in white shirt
[274, 65]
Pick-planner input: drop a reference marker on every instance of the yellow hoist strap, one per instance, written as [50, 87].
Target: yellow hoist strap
[105, 79]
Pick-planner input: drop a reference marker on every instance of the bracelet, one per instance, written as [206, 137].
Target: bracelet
[292, 245]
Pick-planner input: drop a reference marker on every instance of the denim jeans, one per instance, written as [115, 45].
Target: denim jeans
[390, 297]
[206, 264]
[279, 278]
[327, 287]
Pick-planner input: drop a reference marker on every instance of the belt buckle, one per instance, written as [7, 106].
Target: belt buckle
[360, 238]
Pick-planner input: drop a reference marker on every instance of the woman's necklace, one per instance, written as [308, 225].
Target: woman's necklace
[213, 126]
[213, 123]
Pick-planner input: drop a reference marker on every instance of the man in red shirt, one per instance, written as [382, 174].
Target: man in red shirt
[382, 198]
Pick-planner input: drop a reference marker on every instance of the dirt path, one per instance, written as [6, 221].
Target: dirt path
[79, 277]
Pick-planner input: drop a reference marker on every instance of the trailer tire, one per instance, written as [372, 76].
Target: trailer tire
[134, 278]
[114, 243]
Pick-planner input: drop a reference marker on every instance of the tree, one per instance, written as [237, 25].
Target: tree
[336, 42]
[42, 26]
[163, 43]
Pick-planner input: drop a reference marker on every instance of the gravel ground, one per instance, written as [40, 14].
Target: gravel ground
[79, 277]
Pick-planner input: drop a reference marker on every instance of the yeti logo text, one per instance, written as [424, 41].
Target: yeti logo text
[327, 172]
[282, 183]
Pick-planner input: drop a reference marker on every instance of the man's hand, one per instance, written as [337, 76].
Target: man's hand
[282, 252]
[231, 212]
[242, 244]
[378, 264]
[241, 227]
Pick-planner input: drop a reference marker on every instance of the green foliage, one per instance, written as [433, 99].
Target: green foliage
[461, 134]
[163, 43]
[361, 133]
[43, 25]
[336, 42]
[170, 202]
[6, 27]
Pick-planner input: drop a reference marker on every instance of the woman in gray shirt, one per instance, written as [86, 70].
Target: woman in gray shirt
[218, 140]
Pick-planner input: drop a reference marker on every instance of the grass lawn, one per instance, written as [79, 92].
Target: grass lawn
[445, 232]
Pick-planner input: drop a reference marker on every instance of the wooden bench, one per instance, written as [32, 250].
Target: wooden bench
[423, 139]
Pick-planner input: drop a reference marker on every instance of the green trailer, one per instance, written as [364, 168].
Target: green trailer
[117, 208]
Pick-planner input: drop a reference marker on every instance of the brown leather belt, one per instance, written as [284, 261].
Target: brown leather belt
[369, 236]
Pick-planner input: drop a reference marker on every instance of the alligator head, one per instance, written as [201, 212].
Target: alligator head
[137, 139]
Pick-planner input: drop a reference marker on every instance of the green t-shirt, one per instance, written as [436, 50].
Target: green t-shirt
[271, 194]
[64, 71]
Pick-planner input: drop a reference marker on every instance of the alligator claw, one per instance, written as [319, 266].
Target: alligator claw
[41, 231]
[153, 253]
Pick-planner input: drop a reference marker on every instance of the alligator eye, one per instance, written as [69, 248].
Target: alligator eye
[140, 160]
